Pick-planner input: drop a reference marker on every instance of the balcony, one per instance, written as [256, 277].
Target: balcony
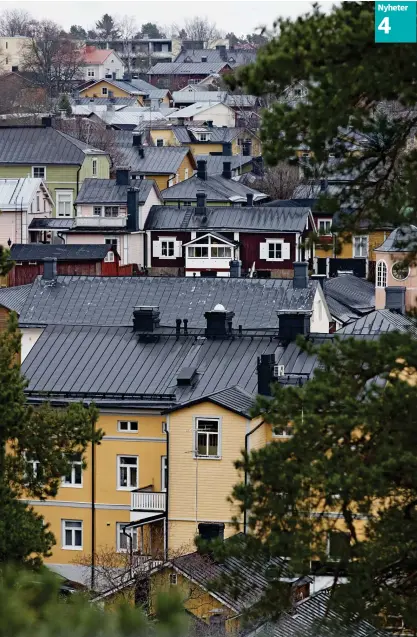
[148, 501]
[100, 222]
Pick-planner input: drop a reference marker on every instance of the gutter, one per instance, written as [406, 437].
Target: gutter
[245, 513]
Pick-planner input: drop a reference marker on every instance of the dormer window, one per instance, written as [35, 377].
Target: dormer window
[204, 58]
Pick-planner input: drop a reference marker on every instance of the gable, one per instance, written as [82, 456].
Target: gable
[217, 239]
[97, 86]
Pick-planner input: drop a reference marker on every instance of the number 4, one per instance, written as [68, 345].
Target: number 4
[384, 26]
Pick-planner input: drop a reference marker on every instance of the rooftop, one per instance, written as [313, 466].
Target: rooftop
[107, 191]
[14, 298]
[17, 194]
[349, 297]
[215, 162]
[92, 55]
[187, 68]
[213, 56]
[194, 110]
[378, 322]
[400, 240]
[156, 160]
[61, 252]
[216, 187]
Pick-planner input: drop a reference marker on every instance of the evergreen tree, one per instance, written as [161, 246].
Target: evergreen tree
[107, 27]
[78, 32]
[65, 105]
[151, 30]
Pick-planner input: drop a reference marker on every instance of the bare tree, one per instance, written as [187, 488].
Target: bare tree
[92, 133]
[198, 29]
[127, 27]
[278, 182]
[16, 22]
[54, 60]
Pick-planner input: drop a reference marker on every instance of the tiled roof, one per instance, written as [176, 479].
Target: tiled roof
[186, 68]
[109, 301]
[156, 160]
[349, 297]
[92, 55]
[61, 252]
[228, 218]
[216, 187]
[379, 322]
[215, 162]
[40, 145]
[106, 191]
[400, 240]
[14, 298]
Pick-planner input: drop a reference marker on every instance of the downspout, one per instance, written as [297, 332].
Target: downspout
[245, 513]
[93, 510]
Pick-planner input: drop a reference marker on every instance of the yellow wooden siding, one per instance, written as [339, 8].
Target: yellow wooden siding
[205, 149]
[95, 91]
[259, 437]
[167, 135]
[256, 148]
[4, 318]
[345, 251]
[207, 474]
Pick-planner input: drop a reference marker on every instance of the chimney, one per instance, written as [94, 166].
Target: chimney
[110, 94]
[122, 176]
[235, 269]
[247, 148]
[395, 299]
[300, 280]
[181, 121]
[132, 223]
[227, 170]
[249, 199]
[202, 169]
[223, 52]
[265, 369]
[321, 278]
[46, 122]
[136, 139]
[201, 200]
[219, 322]
[141, 152]
[210, 123]
[145, 318]
[49, 269]
[227, 149]
[292, 324]
[323, 185]
[113, 75]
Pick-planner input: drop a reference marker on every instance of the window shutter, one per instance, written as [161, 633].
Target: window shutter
[156, 248]
[178, 249]
[286, 251]
[263, 250]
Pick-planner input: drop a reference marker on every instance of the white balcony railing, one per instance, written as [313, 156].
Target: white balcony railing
[147, 501]
[100, 222]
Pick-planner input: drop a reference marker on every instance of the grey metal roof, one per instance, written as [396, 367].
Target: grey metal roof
[192, 96]
[40, 145]
[141, 85]
[61, 252]
[216, 187]
[228, 218]
[129, 116]
[48, 223]
[129, 87]
[77, 300]
[378, 322]
[156, 160]
[14, 298]
[349, 297]
[233, 57]
[16, 194]
[400, 240]
[314, 617]
[106, 191]
[182, 134]
[156, 93]
[233, 398]
[215, 162]
[104, 101]
[187, 68]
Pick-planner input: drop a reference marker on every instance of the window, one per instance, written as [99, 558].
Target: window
[167, 248]
[186, 173]
[177, 178]
[64, 203]
[198, 252]
[111, 211]
[338, 544]
[203, 137]
[123, 542]
[204, 58]
[325, 226]
[94, 167]
[159, 142]
[381, 274]
[38, 203]
[39, 172]
[33, 467]
[7, 60]
[72, 534]
[7, 45]
[110, 241]
[400, 271]
[104, 90]
[97, 211]
[282, 432]
[90, 73]
[127, 425]
[207, 437]
[164, 473]
[221, 252]
[274, 251]
[211, 531]
[127, 472]
[74, 478]
[360, 246]
[186, 203]
[173, 579]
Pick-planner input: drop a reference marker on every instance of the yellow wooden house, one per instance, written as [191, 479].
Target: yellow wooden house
[112, 88]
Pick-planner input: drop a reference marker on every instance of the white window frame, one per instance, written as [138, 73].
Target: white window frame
[100, 208]
[59, 193]
[71, 547]
[204, 137]
[33, 465]
[37, 168]
[72, 473]
[284, 434]
[94, 167]
[381, 280]
[159, 139]
[111, 210]
[129, 426]
[104, 90]
[119, 535]
[325, 221]
[393, 275]
[360, 236]
[224, 246]
[198, 245]
[91, 72]
[164, 460]
[186, 174]
[109, 241]
[173, 579]
[274, 242]
[168, 241]
[129, 486]
[216, 419]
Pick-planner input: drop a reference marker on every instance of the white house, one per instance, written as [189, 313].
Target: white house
[216, 112]
[114, 211]
[100, 64]
[21, 201]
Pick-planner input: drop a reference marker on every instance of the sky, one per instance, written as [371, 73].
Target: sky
[239, 16]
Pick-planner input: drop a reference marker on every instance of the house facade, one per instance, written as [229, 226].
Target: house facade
[100, 64]
[109, 88]
[395, 272]
[215, 112]
[12, 51]
[21, 201]
[177, 75]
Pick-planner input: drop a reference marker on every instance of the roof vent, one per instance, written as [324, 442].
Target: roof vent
[49, 269]
[219, 308]
[186, 376]
[145, 318]
[219, 322]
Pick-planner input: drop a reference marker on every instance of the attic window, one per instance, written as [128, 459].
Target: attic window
[204, 58]
[173, 579]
